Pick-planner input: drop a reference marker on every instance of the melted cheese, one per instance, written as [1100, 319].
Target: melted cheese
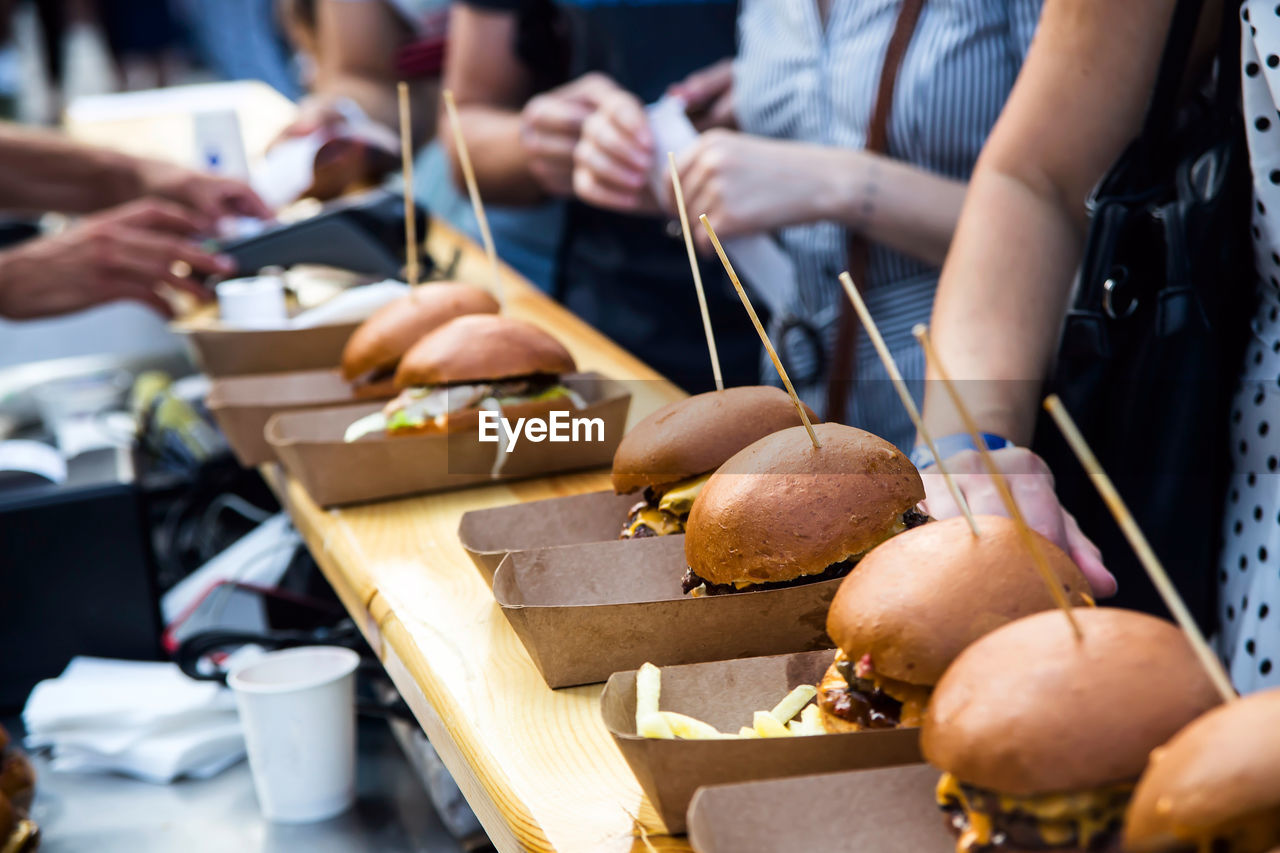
[914, 699]
[660, 522]
[977, 831]
[678, 499]
[1061, 819]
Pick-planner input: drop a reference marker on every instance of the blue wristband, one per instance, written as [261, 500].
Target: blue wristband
[949, 445]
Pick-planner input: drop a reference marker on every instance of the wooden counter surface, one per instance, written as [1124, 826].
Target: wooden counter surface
[537, 765]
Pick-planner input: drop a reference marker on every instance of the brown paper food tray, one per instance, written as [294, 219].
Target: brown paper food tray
[890, 810]
[585, 612]
[236, 352]
[488, 534]
[726, 694]
[242, 405]
[309, 444]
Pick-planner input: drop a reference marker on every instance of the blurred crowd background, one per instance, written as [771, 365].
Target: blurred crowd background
[55, 50]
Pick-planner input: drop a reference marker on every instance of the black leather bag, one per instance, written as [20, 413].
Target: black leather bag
[1152, 343]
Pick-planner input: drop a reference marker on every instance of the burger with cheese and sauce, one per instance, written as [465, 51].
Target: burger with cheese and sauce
[782, 512]
[916, 602]
[470, 363]
[1041, 735]
[375, 348]
[1215, 787]
[671, 453]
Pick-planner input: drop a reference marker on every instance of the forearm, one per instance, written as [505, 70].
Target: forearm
[493, 140]
[998, 309]
[42, 171]
[894, 204]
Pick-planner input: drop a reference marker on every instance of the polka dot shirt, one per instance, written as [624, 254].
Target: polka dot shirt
[1249, 573]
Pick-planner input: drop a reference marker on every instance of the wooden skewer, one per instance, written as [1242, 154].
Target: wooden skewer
[697, 273]
[891, 367]
[464, 159]
[764, 336]
[1140, 545]
[406, 165]
[1002, 485]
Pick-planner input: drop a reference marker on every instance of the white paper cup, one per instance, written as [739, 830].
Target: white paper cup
[297, 707]
[253, 303]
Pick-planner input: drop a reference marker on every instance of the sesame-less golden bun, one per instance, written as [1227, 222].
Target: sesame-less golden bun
[693, 436]
[482, 348]
[918, 600]
[378, 343]
[781, 508]
[1219, 771]
[1030, 709]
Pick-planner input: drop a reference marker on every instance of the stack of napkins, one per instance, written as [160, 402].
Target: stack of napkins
[146, 720]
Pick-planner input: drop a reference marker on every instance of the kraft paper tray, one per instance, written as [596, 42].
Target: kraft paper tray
[584, 612]
[242, 405]
[309, 444]
[222, 351]
[727, 694]
[891, 810]
[488, 535]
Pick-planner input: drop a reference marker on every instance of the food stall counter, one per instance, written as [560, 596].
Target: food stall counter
[537, 765]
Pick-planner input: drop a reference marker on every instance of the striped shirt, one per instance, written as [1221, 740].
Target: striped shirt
[795, 80]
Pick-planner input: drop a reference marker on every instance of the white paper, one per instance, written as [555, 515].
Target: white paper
[757, 259]
[144, 719]
[287, 170]
[35, 457]
[351, 305]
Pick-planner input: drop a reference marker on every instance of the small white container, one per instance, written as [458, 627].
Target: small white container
[297, 707]
[253, 303]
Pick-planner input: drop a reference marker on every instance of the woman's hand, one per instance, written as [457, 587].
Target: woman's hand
[551, 125]
[1031, 482]
[123, 253]
[748, 184]
[316, 112]
[708, 96]
[615, 156]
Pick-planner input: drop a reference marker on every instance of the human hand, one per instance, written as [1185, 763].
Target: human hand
[122, 253]
[748, 184]
[708, 96]
[551, 124]
[315, 113]
[614, 156]
[1031, 483]
[209, 197]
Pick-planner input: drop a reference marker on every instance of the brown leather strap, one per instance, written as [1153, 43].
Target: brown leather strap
[843, 361]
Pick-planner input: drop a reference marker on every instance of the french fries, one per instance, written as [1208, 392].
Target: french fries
[688, 728]
[793, 702]
[648, 692]
[654, 725]
[768, 726]
[652, 722]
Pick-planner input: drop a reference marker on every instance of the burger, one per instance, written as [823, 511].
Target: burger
[374, 349]
[1041, 736]
[18, 833]
[1215, 786]
[470, 363]
[671, 453]
[781, 512]
[916, 602]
